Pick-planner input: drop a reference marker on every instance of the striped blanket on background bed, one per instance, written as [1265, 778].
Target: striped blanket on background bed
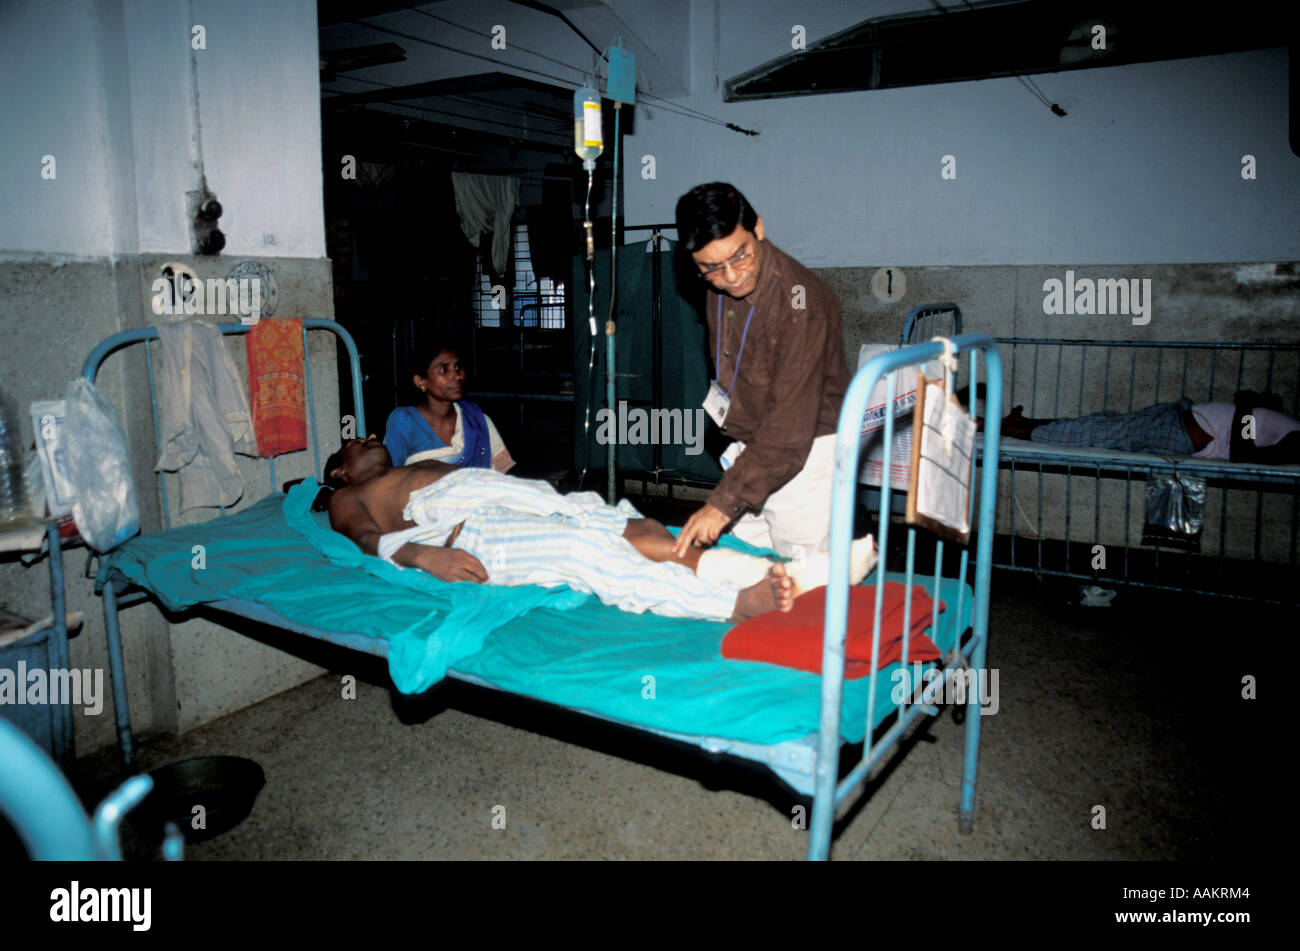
[1158, 428]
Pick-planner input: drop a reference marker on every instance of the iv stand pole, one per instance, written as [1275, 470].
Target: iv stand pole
[609, 323]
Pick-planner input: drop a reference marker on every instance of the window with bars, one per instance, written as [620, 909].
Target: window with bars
[534, 302]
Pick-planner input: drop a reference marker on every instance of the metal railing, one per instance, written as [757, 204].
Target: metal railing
[828, 792]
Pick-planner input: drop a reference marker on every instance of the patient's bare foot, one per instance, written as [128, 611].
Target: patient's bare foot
[813, 571]
[774, 593]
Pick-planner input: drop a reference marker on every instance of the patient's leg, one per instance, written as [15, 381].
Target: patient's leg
[655, 542]
[651, 539]
[764, 585]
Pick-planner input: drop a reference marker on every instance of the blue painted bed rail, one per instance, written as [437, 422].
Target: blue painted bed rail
[930, 320]
[147, 335]
[48, 817]
[230, 328]
[828, 793]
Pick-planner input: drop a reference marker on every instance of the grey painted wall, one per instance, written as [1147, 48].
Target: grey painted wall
[133, 116]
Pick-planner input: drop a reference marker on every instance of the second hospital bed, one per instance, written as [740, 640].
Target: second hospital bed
[277, 563]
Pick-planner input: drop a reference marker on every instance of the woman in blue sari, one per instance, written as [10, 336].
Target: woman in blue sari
[443, 426]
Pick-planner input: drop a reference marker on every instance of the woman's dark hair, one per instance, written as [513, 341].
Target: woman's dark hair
[712, 211]
[418, 360]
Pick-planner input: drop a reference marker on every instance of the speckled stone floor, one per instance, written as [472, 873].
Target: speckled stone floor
[1135, 708]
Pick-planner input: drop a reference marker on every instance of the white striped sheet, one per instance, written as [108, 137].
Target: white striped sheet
[444, 504]
[520, 548]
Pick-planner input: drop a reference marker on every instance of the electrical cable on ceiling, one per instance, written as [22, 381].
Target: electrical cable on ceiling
[688, 110]
[1028, 84]
[683, 110]
[1032, 86]
[485, 121]
[732, 126]
[406, 105]
[534, 111]
[535, 5]
[513, 45]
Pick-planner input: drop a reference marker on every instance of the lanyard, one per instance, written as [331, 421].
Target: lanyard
[717, 358]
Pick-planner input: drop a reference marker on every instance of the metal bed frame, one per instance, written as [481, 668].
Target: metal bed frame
[969, 656]
[809, 764]
[1105, 363]
[927, 320]
[47, 815]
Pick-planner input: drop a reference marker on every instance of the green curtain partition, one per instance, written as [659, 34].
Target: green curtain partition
[684, 369]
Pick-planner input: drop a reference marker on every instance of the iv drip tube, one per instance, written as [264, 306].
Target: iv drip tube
[591, 319]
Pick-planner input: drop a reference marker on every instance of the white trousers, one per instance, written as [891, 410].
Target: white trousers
[796, 518]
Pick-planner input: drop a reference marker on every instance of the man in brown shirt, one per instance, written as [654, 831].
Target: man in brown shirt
[775, 335]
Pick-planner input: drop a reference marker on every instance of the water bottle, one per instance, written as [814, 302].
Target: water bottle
[13, 474]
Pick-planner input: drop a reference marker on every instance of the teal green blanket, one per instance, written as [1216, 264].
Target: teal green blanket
[552, 644]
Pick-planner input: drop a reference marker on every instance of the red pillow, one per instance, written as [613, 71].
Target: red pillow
[794, 638]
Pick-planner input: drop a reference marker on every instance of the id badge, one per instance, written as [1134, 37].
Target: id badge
[717, 403]
[732, 454]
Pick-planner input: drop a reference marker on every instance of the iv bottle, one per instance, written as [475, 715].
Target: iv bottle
[13, 475]
[588, 142]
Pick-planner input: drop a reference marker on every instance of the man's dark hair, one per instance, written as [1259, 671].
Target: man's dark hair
[332, 463]
[711, 211]
[1266, 400]
[322, 501]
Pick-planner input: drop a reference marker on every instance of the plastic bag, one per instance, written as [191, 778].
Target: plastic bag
[1175, 510]
[105, 507]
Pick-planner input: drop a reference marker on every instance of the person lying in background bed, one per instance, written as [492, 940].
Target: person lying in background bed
[1203, 430]
[476, 525]
[443, 426]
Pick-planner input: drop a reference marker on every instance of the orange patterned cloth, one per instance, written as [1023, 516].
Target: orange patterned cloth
[275, 386]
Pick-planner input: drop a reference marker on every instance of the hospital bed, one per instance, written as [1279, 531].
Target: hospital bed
[277, 563]
[1060, 504]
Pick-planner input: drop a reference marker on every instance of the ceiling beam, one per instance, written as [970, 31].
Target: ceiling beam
[1002, 39]
[458, 85]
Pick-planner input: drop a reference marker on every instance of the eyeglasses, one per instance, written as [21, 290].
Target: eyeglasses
[741, 261]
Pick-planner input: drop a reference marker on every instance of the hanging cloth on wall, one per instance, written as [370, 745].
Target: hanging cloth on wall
[487, 203]
[275, 386]
[550, 231]
[203, 415]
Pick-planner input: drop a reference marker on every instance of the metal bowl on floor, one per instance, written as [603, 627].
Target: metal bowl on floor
[224, 786]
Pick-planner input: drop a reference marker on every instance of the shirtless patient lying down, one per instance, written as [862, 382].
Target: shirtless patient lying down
[482, 526]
